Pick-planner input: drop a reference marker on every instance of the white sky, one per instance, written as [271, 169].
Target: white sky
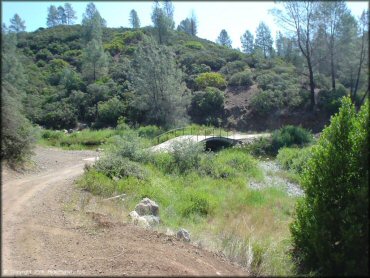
[233, 16]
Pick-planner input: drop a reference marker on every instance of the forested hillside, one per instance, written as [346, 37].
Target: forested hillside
[87, 73]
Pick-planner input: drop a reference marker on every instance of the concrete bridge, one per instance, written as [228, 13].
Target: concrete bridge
[212, 142]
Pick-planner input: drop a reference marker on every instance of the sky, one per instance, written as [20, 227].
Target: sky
[234, 16]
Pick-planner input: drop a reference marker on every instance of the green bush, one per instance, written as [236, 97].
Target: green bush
[97, 183]
[293, 159]
[186, 155]
[120, 167]
[260, 147]
[330, 100]
[331, 227]
[128, 145]
[233, 67]
[194, 45]
[110, 111]
[210, 79]
[207, 104]
[243, 78]
[265, 102]
[149, 131]
[290, 136]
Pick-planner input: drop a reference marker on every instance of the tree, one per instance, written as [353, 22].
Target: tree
[298, 18]
[52, 19]
[92, 23]
[17, 136]
[169, 10]
[62, 18]
[263, 39]
[193, 24]
[162, 23]
[134, 20]
[189, 25]
[17, 24]
[330, 14]
[364, 31]
[70, 14]
[159, 90]
[224, 39]
[94, 61]
[247, 41]
[331, 228]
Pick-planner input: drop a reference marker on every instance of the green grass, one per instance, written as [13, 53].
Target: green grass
[85, 139]
[214, 202]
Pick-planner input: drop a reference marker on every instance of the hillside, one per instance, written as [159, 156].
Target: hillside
[259, 93]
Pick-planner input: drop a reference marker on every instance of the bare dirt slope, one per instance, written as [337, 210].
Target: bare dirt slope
[46, 231]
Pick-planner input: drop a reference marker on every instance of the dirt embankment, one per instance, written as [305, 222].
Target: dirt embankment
[48, 230]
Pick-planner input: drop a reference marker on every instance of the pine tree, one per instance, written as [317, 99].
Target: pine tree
[134, 20]
[161, 22]
[193, 24]
[264, 40]
[158, 84]
[17, 24]
[169, 10]
[247, 41]
[94, 61]
[62, 18]
[224, 39]
[52, 19]
[69, 13]
[92, 23]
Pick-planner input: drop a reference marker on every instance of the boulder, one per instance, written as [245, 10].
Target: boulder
[183, 234]
[147, 207]
[134, 217]
[151, 219]
[142, 222]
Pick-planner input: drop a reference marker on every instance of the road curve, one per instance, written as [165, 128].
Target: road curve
[41, 237]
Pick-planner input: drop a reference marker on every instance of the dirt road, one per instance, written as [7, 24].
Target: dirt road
[47, 230]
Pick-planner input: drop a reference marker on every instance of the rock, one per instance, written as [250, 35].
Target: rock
[142, 222]
[169, 232]
[183, 234]
[147, 207]
[134, 217]
[151, 219]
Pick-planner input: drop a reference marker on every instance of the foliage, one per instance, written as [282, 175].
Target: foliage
[134, 20]
[149, 131]
[207, 106]
[243, 78]
[294, 159]
[210, 79]
[288, 136]
[194, 45]
[110, 111]
[330, 230]
[186, 155]
[119, 167]
[233, 67]
[224, 39]
[330, 100]
[159, 90]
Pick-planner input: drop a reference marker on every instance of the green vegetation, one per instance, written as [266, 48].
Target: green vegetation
[205, 192]
[331, 228]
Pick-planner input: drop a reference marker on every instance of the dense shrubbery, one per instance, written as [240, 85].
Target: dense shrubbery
[243, 78]
[331, 227]
[207, 106]
[293, 159]
[210, 79]
[330, 100]
[289, 136]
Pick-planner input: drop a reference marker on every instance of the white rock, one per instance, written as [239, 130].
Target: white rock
[151, 219]
[142, 222]
[134, 217]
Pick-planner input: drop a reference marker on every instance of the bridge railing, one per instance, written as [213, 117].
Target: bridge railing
[200, 132]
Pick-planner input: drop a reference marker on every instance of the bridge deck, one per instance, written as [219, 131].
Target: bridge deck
[167, 146]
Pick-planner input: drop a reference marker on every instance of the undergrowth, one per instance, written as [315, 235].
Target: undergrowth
[206, 193]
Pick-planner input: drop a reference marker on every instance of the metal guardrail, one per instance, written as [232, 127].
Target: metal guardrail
[215, 132]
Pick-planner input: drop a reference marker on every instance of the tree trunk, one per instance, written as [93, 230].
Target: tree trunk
[312, 84]
[332, 67]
